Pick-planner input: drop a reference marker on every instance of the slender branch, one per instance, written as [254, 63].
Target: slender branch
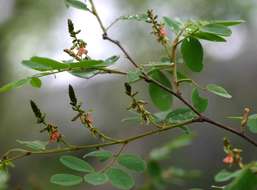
[25, 153]
[230, 129]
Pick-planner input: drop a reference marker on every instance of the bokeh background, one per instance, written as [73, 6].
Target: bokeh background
[29, 27]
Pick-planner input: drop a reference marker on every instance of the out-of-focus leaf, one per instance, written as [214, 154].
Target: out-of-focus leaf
[76, 164]
[172, 24]
[209, 37]
[35, 82]
[199, 103]
[246, 180]
[161, 98]
[225, 175]
[165, 151]
[218, 90]
[103, 155]
[35, 145]
[66, 179]
[44, 64]
[76, 4]
[132, 162]
[217, 29]
[133, 75]
[154, 169]
[180, 115]
[192, 53]
[252, 123]
[137, 17]
[228, 22]
[96, 178]
[111, 60]
[120, 179]
[14, 84]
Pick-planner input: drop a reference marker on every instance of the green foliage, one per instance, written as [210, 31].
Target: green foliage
[216, 29]
[186, 36]
[96, 178]
[132, 162]
[218, 90]
[172, 24]
[43, 64]
[134, 76]
[192, 53]
[15, 84]
[76, 4]
[246, 180]
[35, 82]
[120, 179]
[199, 103]
[252, 123]
[76, 164]
[225, 175]
[66, 179]
[102, 155]
[180, 115]
[35, 145]
[165, 151]
[161, 98]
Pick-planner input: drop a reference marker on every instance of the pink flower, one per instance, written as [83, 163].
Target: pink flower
[163, 32]
[82, 51]
[228, 159]
[55, 136]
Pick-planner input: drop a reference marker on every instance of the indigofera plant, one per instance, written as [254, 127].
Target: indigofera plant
[164, 78]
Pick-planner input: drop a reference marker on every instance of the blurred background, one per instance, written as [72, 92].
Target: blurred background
[29, 28]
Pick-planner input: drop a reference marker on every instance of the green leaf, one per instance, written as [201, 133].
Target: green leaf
[180, 115]
[154, 169]
[66, 179]
[192, 53]
[76, 4]
[14, 84]
[225, 175]
[133, 76]
[96, 178]
[132, 162]
[228, 22]
[103, 155]
[252, 123]
[137, 17]
[209, 37]
[87, 64]
[199, 103]
[120, 179]
[172, 24]
[111, 60]
[88, 68]
[43, 64]
[247, 180]
[35, 145]
[35, 82]
[216, 29]
[164, 151]
[77, 164]
[218, 90]
[161, 98]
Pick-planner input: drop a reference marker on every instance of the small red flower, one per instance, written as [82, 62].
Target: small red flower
[55, 136]
[82, 51]
[163, 32]
[89, 118]
[228, 159]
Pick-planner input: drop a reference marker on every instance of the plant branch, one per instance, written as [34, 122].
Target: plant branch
[176, 94]
[25, 153]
